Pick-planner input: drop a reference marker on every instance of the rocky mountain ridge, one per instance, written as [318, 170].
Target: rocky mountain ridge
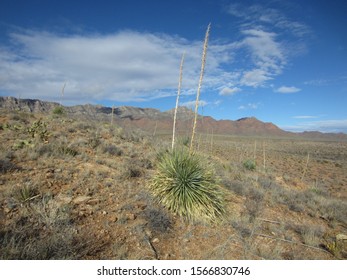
[150, 119]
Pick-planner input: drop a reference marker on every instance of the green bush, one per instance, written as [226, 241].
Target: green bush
[185, 186]
[58, 111]
[249, 164]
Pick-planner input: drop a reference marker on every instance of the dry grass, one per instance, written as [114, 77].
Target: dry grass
[94, 205]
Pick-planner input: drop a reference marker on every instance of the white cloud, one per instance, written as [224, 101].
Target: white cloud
[333, 126]
[327, 82]
[126, 66]
[255, 78]
[252, 106]
[229, 91]
[217, 102]
[267, 55]
[260, 15]
[305, 117]
[269, 50]
[191, 104]
[285, 89]
[133, 66]
[266, 52]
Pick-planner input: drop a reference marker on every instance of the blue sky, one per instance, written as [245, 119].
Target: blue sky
[282, 61]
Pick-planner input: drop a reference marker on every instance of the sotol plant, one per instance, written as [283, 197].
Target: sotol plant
[183, 183]
[187, 187]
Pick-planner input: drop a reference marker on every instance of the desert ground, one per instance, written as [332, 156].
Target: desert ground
[77, 189]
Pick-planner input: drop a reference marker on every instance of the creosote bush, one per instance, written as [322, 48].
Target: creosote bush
[185, 186]
[58, 111]
[249, 164]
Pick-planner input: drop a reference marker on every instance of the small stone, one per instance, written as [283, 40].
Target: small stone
[64, 199]
[341, 237]
[141, 206]
[93, 201]
[49, 175]
[155, 240]
[104, 212]
[81, 199]
[130, 216]
[81, 213]
[114, 219]
[148, 232]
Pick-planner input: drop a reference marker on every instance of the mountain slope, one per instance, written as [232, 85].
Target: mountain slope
[151, 120]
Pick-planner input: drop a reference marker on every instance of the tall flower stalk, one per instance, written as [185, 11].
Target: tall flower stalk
[177, 100]
[203, 61]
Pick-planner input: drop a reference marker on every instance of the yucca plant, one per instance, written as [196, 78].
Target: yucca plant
[187, 187]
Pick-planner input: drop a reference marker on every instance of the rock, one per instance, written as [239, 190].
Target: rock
[64, 199]
[113, 218]
[148, 232]
[81, 199]
[93, 201]
[130, 216]
[49, 175]
[141, 206]
[341, 237]
[155, 240]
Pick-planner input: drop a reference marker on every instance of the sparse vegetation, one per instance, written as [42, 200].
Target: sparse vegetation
[50, 191]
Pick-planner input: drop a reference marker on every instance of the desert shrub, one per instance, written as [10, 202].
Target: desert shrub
[312, 235]
[65, 150]
[187, 187]
[20, 116]
[236, 186]
[6, 166]
[94, 141]
[249, 164]
[45, 149]
[334, 210]
[145, 163]
[26, 193]
[58, 111]
[131, 171]
[254, 202]
[112, 150]
[83, 126]
[158, 220]
[42, 231]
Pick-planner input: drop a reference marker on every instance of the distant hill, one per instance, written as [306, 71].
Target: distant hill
[150, 119]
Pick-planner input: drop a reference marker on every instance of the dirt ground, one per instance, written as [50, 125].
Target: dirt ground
[71, 189]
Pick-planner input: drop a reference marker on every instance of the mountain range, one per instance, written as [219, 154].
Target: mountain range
[150, 120]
